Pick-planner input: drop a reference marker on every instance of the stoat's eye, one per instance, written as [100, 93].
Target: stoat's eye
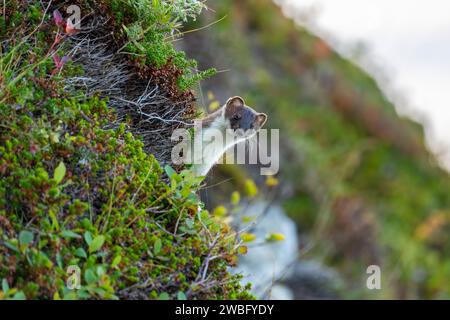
[236, 117]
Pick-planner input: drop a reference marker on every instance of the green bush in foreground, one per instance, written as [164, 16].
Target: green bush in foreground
[79, 199]
[75, 194]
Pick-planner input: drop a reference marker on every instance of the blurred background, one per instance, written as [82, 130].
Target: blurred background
[403, 45]
[359, 92]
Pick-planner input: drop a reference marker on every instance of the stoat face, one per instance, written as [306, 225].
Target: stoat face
[241, 119]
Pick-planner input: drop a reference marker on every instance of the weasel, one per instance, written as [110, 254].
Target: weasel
[234, 122]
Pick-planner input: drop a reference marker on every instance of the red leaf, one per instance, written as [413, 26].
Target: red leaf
[58, 18]
[57, 60]
[57, 39]
[33, 149]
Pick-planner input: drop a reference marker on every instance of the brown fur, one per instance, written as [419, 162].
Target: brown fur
[234, 105]
[206, 122]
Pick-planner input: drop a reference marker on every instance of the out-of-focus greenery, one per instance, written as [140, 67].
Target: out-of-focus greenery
[365, 188]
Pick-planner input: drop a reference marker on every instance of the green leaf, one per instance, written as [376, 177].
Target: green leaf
[116, 261]
[90, 276]
[190, 223]
[157, 246]
[12, 247]
[204, 217]
[84, 294]
[60, 172]
[47, 261]
[169, 171]
[100, 271]
[5, 286]
[25, 237]
[70, 234]
[164, 296]
[80, 252]
[181, 296]
[88, 237]
[96, 244]
[55, 223]
[19, 296]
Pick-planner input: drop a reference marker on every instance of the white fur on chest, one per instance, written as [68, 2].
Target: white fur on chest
[210, 144]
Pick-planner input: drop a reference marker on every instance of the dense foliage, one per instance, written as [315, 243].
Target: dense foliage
[78, 195]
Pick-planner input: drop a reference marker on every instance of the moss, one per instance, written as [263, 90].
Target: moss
[74, 194]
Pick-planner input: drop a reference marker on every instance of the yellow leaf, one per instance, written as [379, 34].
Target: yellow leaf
[243, 250]
[250, 188]
[248, 237]
[275, 237]
[220, 211]
[271, 181]
[247, 219]
[235, 197]
[214, 105]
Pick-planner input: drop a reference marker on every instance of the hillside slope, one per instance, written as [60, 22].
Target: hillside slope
[365, 189]
[86, 209]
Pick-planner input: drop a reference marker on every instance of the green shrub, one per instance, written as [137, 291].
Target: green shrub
[151, 32]
[77, 198]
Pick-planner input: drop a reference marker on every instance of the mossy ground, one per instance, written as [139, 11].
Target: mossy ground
[73, 193]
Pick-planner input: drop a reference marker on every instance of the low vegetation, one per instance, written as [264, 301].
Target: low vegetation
[80, 192]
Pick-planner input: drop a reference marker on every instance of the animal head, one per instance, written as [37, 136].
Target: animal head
[243, 120]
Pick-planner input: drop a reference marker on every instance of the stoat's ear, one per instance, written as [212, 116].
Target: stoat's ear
[235, 102]
[261, 119]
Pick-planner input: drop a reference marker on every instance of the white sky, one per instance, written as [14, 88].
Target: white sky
[408, 39]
